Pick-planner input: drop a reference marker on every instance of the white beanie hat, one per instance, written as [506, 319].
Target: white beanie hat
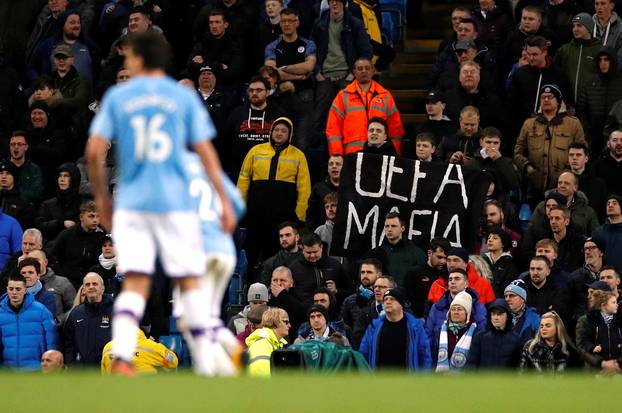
[464, 300]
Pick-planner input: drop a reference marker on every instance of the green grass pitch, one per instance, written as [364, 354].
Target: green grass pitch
[88, 392]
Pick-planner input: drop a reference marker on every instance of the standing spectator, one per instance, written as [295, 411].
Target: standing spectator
[569, 242]
[542, 161]
[106, 267]
[489, 159]
[248, 125]
[453, 343]
[363, 99]
[26, 327]
[461, 146]
[261, 184]
[594, 187]
[500, 260]
[579, 280]
[611, 276]
[494, 216]
[10, 237]
[31, 240]
[396, 339]
[494, 24]
[398, 255]
[542, 293]
[87, 329]
[437, 122]
[497, 347]
[268, 30]
[597, 97]
[47, 25]
[599, 334]
[609, 163]
[63, 211]
[257, 295]
[607, 26]
[59, 286]
[294, 57]
[326, 231]
[78, 246]
[377, 138]
[289, 252]
[457, 15]
[525, 320]
[284, 295]
[355, 307]
[30, 269]
[341, 39]
[240, 15]
[315, 210]
[29, 180]
[609, 235]
[576, 59]
[11, 200]
[551, 350]
[425, 148]
[263, 341]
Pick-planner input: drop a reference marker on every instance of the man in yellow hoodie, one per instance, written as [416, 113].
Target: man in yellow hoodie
[149, 357]
[263, 341]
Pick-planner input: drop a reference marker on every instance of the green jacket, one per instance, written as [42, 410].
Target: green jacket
[576, 60]
[397, 260]
[582, 216]
[321, 356]
[261, 343]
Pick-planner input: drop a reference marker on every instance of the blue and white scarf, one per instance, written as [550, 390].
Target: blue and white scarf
[458, 359]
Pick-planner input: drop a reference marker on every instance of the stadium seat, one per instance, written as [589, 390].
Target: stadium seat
[389, 27]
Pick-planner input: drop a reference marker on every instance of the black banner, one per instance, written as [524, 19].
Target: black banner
[434, 200]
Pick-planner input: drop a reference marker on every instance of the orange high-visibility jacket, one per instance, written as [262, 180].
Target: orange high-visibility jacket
[346, 129]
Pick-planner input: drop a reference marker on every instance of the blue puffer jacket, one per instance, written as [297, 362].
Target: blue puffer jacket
[528, 325]
[438, 315]
[418, 345]
[26, 335]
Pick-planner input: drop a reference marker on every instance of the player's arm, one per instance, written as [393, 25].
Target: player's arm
[96, 151]
[211, 163]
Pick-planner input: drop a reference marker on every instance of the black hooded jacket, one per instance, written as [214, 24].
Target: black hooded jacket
[65, 206]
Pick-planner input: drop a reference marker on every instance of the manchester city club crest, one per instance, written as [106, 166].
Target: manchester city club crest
[301, 49]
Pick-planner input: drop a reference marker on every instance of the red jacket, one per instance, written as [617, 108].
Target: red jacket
[346, 129]
[476, 282]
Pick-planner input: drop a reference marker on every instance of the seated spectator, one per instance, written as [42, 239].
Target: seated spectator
[494, 216]
[241, 17]
[263, 341]
[319, 328]
[30, 269]
[52, 361]
[500, 260]
[458, 258]
[249, 125]
[457, 14]
[420, 279]
[611, 276]
[542, 294]
[569, 242]
[57, 285]
[88, 326]
[257, 295]
[11, 201]
[525, 320]
[608, 27]
[396, 339]
[355, 308]
[106, 267]
[254, 322]
[77, 247]
[291, 186]
[397, 254]
[576, 58]
[539, 226]
[326, 231]
[599, 337]
[452, 345]
[597, 97]
[609, 235]
[150, 357]
[31, 240]
[462, 146]
[315, 210]
[290, 251]
[437, 122]
[592, 186]
[579, 280]
[29, 180]
[548, 248]
[27, 328]
[284, 295]
[62, 211]
[346, 129]
[497, 347]
[458, 282]
[551, 350]
[543, 162]
[377, 138]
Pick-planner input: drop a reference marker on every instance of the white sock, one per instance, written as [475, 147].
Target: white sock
[127, 313]
[195, 316]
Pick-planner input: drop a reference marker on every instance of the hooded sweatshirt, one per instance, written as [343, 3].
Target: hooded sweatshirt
[610, 34]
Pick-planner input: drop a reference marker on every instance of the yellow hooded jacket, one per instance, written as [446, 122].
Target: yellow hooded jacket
[149, 356]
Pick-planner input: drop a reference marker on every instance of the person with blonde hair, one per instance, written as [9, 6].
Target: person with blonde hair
[263, 341]
[551, 350]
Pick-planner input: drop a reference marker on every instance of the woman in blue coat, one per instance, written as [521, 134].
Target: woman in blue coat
[27, 328]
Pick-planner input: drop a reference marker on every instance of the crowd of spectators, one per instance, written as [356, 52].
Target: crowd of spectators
[526, 92]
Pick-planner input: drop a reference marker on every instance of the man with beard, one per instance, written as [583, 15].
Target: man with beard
[355, 307]
[249, 125]
[29, 180]
[542, 294]
[569, 242]
[290, 251]
[609, 163]
[315, 211]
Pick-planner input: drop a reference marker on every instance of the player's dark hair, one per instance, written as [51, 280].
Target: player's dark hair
[153, 48]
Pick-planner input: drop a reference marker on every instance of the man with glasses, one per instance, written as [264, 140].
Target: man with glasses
[294, 57]
[248, 125]
[363, 99]
[29, 181]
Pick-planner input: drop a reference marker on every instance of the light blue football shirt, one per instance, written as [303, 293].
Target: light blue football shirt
[154, 121]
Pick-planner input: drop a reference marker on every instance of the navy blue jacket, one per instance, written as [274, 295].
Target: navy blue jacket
[27, 334]
[419, 357]
[47, 299]
[528, 325]
[87, 330]
[354, 39]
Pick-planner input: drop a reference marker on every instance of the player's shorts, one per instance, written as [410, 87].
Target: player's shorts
[174, 237]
